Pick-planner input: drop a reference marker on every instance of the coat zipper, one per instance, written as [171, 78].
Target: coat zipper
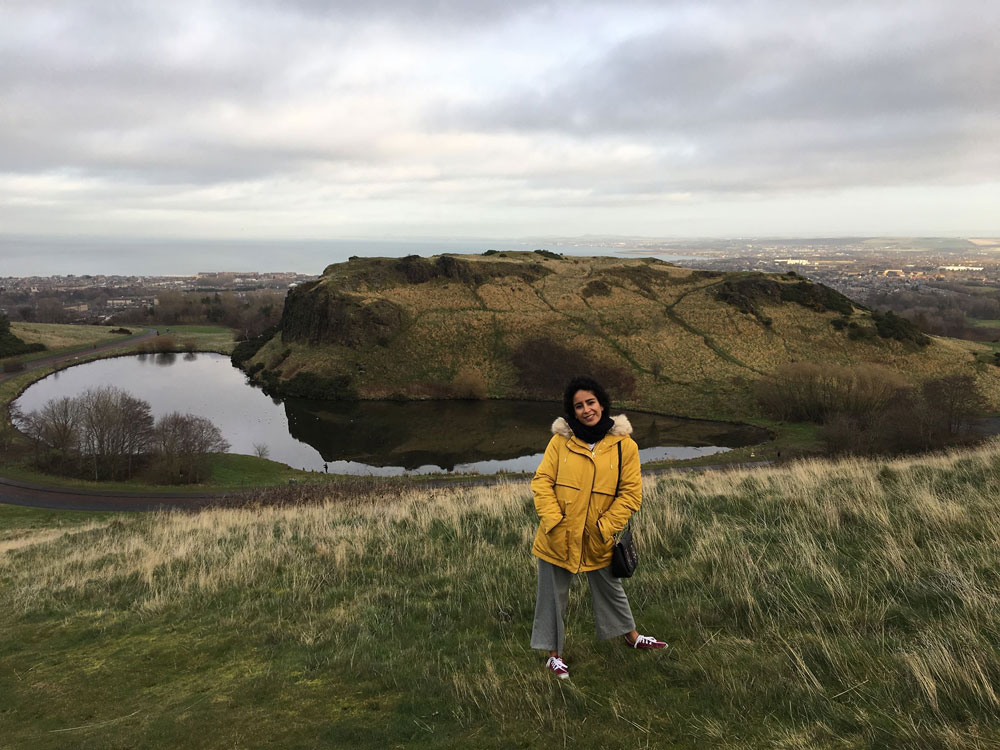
[590, 498]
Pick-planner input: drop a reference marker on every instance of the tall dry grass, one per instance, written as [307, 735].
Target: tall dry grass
[825, 604]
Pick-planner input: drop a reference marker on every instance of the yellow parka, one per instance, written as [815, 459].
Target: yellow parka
[575, 496]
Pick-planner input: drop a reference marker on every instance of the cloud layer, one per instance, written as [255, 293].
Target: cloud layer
[316, 119]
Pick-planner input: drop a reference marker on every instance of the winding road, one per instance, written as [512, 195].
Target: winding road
[59, 498]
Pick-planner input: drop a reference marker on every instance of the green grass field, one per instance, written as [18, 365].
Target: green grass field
[823, 605]
[229, 471]
[59, 336]
[204, 338]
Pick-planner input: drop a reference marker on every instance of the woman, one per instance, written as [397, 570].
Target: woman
[579, 514]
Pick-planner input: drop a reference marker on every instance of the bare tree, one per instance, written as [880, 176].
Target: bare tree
[56, 426]
[183, 442]
[955, 400]
[8, 431]
[50, 310]
[116, 430]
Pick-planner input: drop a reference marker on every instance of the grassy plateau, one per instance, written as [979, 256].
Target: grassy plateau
[848, 604]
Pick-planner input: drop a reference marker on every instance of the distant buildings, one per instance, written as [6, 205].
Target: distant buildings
[90, 299]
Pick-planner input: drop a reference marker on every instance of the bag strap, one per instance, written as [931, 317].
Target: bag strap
[617, 487]
[619, 482]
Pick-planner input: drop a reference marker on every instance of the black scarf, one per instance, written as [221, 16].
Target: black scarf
[591, 434]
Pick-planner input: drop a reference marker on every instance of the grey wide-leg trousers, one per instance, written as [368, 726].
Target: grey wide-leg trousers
[612, 615]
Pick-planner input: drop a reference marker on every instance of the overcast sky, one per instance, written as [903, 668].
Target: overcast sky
[310, 120]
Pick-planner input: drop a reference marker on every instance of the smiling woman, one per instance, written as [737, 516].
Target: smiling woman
[586, 489]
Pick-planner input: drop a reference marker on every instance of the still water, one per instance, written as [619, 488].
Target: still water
[366, 437]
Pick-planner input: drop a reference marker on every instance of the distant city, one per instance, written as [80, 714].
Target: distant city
[112, 299]
[947, 286]
[857, 268]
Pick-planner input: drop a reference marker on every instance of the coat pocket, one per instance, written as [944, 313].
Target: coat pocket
[598, 550]
[558, 540]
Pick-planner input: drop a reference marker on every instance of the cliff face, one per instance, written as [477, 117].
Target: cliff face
[519, 325]
[320, 315]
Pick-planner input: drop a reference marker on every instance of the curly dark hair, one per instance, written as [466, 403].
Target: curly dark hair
[584, 383]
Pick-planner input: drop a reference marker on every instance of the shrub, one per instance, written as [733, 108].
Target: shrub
[596, 288]
[891, 326]
[903, 425]
[858, 332]
[245, 350]
[11, 345]
[544, 367]
[869, 409]
[469, 383]
[808, 392]
[748, 293]
[162, 344]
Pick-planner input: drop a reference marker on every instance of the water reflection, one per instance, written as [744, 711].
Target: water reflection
[369, 437]
[484, 436]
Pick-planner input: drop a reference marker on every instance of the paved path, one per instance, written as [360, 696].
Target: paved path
[80, 353]
[57, 498]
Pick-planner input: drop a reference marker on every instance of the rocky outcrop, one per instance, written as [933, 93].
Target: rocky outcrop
[316, 315]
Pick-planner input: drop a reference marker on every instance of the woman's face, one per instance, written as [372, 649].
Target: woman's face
[587, 408]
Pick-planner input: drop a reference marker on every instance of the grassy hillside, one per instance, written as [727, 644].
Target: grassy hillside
[824, 605]
[515, 324]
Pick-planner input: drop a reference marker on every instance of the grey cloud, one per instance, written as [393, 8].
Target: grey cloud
[107, 90]
[909, 94]
[727, 96]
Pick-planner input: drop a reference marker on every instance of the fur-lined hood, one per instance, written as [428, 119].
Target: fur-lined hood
[621, 426]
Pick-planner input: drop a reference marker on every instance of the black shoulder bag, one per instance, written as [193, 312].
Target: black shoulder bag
[624, 557]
